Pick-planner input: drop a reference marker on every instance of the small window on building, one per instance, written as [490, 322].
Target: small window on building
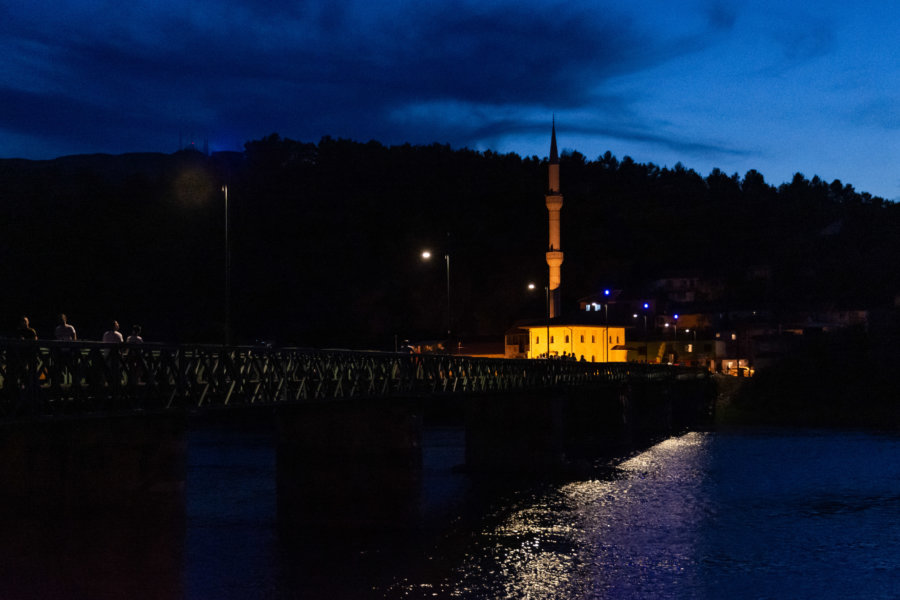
[582, 339]
[551, 338]
[617, 339]
[592, 358]
[537, 339]
[567, 339]
[592, 339]
[610, 340]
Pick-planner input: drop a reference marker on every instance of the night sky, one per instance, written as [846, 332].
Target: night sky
[777, 86]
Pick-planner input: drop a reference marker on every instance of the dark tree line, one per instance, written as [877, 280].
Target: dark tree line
[325, 239]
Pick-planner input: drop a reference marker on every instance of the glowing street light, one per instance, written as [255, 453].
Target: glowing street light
[532, 286]
[646, 353]
[426, 255]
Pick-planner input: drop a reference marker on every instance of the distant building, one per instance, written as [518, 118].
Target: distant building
[574, 339]
[709, 353]
[516, 343]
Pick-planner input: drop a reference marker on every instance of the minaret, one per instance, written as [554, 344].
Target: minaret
[554, 253]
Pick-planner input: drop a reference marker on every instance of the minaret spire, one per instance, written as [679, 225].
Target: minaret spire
[554, 157]
[554, 201]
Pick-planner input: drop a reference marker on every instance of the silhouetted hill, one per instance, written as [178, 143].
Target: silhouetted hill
[325, 239]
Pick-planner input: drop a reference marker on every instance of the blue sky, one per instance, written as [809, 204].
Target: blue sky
[780, 87]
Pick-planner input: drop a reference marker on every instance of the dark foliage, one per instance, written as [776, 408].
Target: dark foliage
[325, 239]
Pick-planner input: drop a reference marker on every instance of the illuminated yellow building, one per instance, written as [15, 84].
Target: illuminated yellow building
[595, 343]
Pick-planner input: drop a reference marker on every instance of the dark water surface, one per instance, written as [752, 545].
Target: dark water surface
[773, 514]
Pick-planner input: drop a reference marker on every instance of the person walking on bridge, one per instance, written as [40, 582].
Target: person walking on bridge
[64, 332]
[25, 331]
[135, 337]
[113, 335]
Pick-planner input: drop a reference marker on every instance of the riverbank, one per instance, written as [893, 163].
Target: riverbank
[796, 398]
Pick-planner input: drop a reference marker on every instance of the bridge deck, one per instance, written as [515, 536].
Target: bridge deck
[55, 378]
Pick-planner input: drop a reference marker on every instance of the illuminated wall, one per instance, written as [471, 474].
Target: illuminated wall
[595, 343]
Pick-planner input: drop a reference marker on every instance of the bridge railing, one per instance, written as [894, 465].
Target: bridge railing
[57, 378]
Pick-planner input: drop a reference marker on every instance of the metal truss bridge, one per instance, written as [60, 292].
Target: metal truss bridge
[46, 378]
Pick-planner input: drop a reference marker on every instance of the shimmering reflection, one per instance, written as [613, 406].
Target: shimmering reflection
[632, 536]
[781, 514]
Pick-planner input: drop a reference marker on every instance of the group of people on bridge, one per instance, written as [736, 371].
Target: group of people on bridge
[65, 332]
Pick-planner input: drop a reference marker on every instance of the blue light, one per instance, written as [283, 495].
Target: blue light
[676, 316]
[606, 292]
[646, 305]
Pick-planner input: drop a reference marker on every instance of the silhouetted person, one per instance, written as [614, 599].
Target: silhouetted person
[133, 356]
[22, 362]
[25, 332]
[135, 337]
[112, 335]
[64, 332]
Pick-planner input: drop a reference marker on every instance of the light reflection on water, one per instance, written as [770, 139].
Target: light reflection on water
[778, 514]
[599, 538]
[765, 515]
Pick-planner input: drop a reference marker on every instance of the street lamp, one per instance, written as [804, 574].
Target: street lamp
[426, 255]
[532, 286]
[635, 315]
[227, 274]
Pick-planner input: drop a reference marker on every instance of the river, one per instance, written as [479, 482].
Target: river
[729, 514]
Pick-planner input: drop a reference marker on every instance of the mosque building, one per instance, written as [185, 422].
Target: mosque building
[587, 335]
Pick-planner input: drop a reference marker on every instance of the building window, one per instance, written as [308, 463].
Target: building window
[592, 358]
[610, 340]
[537, 340]
[592, 339]
[551, 339]
[567, 340]
[617, 339]
[582, 339]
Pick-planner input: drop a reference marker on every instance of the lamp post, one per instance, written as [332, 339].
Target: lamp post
[532, 286]
[227, 274]
[426, 255]
[635, 315]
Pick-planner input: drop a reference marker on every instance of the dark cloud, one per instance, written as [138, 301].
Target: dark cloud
[721, 15]
[311, 68]
[802, 38]
[64, 118]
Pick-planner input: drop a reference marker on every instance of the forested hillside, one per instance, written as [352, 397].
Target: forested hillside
[325, 239]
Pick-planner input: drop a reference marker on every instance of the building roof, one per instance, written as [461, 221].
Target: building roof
[578, 319]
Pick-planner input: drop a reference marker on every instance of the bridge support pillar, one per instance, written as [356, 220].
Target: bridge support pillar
[353, 463]
[661, 408]
[597, 420]
[89, 464]
[518, 432]
[92, 507]
[650, 410]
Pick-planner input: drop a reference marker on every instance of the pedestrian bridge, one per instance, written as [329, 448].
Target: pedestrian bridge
[45, 378]
[88, 426]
